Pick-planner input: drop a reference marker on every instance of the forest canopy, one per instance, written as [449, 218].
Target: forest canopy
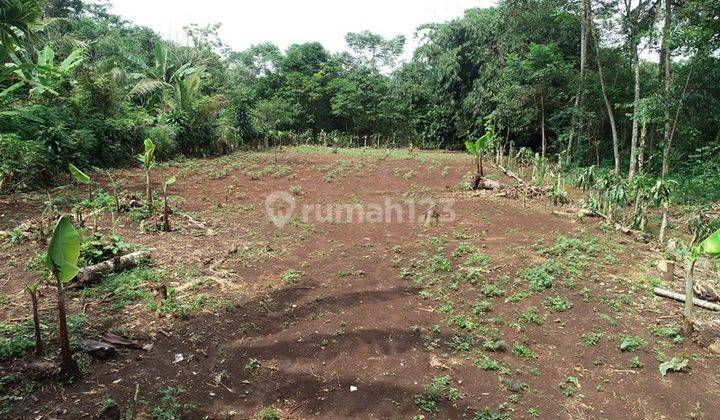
[628, 86]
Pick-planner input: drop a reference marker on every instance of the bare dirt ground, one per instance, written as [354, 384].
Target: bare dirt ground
[505, 311]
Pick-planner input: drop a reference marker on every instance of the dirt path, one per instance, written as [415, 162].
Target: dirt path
[506, 310]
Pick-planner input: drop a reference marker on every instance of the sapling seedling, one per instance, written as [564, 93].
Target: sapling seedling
[148, 161]
[710, 247]
[62, 258]
[661, 195]
[80, 178]
[32, 290]
[479, 147]
[114, 185]
[166, 209]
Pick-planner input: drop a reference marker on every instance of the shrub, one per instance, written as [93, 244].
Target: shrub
[24, 163]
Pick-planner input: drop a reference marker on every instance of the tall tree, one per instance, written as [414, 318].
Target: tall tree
[606, 99]
[666, 66]
[374, 50]
[636, 20]
[577, 120]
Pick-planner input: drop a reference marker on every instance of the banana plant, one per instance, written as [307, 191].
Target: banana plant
[539, 168]
[81, 178]
[45, 76]
[62, 258]
[148, 161]
[586, 179]
[166, 209]
[639, 188]
[559, 194]
[479, 147]
[710, 247]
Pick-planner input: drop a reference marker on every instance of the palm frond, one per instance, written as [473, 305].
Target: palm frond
[147, 87]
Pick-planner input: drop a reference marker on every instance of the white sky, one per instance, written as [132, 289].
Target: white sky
[284, 22]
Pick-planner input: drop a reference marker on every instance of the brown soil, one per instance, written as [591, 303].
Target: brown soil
[351, 337]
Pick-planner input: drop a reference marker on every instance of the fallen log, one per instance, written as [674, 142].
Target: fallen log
[582, 212]
[681, 298]
[482, 183]
[511, 174]
[489, 184]
[94, 272]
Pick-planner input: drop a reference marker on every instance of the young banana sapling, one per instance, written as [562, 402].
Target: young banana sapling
[62, 258]
[710, 247]
[479, 147]
[148, 161]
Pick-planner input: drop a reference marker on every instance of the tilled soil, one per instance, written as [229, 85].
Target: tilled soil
[350, 319]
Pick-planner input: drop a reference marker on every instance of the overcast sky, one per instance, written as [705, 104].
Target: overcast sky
[290, 21]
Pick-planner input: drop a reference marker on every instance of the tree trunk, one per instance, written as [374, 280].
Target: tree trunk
[68, 367]
[663, 226]
[636, 116]
[666, 64]
[89, 274]
[576, 123]
[36, 322]
[641, 149]
[542, 124]
[687, 312]
[608, 105]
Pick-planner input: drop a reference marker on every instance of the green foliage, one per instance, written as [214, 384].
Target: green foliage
[635, 363]
[15, 340]
[435, 392]
[487, 363]
[590, 339]
[557, 304]
[521, 350]
[64, 251]
[632, 343]
[78, 175]
[88, 87]
[170, 407]
[711, 245]
[148, 157]
[488, 414]
[268, 413]
[101, 247]
[539, 277]
[125, 288]
[290, 276]
[675, 364]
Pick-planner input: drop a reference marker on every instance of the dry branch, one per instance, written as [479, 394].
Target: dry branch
[681, 298]
[94, 272]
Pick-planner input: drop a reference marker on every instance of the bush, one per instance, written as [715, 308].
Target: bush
[24, 164]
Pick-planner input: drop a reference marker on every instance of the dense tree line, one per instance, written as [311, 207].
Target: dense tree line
[629, 85]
